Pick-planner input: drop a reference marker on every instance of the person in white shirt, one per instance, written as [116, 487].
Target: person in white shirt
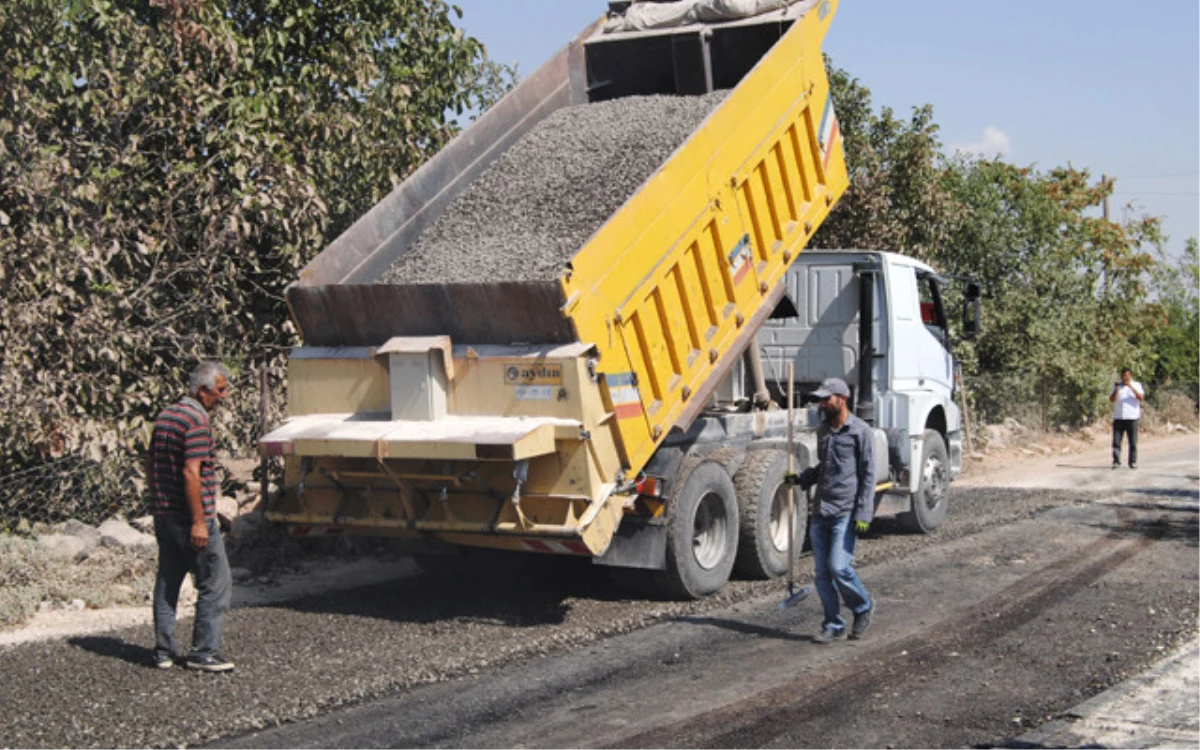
[1127, 396]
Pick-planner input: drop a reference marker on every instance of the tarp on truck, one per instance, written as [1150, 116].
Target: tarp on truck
[658, 15]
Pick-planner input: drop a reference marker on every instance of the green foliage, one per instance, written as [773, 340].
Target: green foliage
[1066, 296]
[168, 166]
[1174, 348]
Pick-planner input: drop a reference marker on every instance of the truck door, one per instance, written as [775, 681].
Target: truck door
[937, 365]
[921, 356]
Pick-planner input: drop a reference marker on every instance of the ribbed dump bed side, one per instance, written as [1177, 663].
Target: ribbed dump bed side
[676, 284]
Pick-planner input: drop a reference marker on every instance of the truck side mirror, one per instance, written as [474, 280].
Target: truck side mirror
[971, 309]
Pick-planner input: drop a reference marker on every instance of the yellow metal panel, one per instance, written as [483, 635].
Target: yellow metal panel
[323, 386]
[666, 288]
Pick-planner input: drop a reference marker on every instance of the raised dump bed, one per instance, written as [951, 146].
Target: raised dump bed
[509, 390]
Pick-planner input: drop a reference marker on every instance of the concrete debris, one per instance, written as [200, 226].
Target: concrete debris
[536, 206]
[117, 533]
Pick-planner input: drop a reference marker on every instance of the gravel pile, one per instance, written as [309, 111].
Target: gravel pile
[537, 205]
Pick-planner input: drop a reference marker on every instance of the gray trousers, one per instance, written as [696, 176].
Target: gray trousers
[214, 585]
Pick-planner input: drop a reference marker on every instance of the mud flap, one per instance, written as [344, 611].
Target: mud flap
[638, 543]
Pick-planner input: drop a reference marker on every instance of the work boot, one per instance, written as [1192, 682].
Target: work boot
[163, 660]
[209, 664]
[828, 634]
[861, 623]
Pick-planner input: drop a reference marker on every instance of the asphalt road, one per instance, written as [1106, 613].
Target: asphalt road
[1027, 601]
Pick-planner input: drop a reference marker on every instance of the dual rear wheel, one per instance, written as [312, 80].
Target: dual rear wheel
[717, 524]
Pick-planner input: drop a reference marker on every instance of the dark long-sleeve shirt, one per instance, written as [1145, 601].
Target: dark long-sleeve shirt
[845, 472]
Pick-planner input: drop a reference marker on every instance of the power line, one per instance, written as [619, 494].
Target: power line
[1157, 193]
[1178, 175]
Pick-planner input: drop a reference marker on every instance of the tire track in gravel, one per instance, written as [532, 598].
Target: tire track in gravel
[768, 716]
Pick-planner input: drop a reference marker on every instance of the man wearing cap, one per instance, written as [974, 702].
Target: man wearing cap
[845, 496]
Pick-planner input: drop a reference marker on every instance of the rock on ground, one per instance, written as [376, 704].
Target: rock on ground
[117, 533]
[88, 533]
[65, 546]
[536, 206]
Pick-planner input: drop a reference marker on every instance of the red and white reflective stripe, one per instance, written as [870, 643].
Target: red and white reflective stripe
[556, 548]
[303, 531]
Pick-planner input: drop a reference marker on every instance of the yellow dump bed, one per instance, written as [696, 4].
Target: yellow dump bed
[562, 388]
[672, 288]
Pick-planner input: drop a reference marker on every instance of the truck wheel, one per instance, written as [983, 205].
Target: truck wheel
[930, 501]
[702, 533]
[762, 506]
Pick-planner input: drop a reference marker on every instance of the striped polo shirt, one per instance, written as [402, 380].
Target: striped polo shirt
[181, 432]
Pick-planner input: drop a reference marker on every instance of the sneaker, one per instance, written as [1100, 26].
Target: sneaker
[828, 635]
[1133, 466]
[209, 664]
[861, 623]
[1116, 466]
[163, 661]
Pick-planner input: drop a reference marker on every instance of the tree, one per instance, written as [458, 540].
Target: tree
[167, 167]
[1065, 293]
[1174, 349]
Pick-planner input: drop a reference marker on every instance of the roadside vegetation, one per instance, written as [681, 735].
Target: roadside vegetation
[168, 166]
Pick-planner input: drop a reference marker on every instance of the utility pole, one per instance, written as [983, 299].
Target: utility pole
[1104, 251]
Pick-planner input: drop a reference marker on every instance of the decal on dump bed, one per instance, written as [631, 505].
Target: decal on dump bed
[527, 374]
[831, 132]
[626, 400]
[739, 260]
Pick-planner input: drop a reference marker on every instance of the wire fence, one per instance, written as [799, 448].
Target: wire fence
[70, 487]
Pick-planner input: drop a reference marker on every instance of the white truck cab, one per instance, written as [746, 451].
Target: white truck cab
[899, 367]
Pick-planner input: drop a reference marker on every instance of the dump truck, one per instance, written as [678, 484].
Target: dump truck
[614, 408]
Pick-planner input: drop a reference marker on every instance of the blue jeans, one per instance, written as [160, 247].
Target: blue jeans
[214, 585]
[833, 552]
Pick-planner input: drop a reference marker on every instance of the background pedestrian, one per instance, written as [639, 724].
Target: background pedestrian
[1127, 396]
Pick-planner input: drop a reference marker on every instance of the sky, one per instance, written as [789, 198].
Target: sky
[1113, 87]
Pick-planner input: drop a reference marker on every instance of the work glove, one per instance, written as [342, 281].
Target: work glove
[861, 527]
[792, 479]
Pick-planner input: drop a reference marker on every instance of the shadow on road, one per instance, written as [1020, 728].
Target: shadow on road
[1176, 524]
[1029, 745]
[528, 599]
[745, 628]
[114, 648]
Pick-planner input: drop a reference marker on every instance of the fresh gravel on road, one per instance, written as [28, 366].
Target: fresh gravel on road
[305, 658]
[537, 205]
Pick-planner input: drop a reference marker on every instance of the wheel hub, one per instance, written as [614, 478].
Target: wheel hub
[709, 532]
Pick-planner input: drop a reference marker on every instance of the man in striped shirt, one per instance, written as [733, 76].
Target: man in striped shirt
[183, 485]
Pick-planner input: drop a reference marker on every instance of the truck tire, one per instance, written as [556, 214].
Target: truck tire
[702, 533]
[930, 501]
[762, 506]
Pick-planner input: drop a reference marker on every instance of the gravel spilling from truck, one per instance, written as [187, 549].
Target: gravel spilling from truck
[536, 206]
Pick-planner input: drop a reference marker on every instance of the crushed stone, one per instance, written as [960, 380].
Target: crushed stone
[533, 208]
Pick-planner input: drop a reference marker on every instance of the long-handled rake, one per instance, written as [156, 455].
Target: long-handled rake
[795, 596]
